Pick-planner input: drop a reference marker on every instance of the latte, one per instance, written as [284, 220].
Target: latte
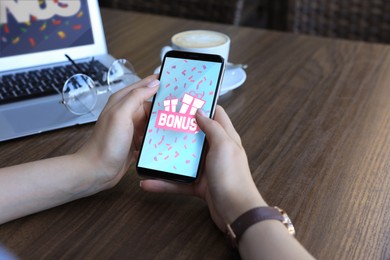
[203, 41]
[199, 39]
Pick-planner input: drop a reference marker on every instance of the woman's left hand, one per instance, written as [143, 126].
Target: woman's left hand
[110, 147]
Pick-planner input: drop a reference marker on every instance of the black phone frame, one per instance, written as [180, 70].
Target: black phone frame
[156, 174]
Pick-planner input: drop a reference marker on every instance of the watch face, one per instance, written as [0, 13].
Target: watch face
[287, 221]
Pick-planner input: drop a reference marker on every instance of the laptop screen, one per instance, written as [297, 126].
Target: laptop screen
[38, 25]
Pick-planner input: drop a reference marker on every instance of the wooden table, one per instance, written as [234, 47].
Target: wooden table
[314, 117]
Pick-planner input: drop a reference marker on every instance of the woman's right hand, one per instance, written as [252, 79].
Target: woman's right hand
[226, 183]
[229, 181]
[228, 188]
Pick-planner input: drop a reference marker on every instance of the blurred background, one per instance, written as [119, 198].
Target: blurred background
[362, 20]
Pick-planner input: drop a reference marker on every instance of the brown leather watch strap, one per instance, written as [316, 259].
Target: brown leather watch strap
[249, 218]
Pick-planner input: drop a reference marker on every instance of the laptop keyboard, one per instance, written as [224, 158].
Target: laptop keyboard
[45, 82]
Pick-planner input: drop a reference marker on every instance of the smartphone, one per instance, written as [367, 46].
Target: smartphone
[173, 145]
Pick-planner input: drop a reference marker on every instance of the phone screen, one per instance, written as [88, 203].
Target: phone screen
[173, 143]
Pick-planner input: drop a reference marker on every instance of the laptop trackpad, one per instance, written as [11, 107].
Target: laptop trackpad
[38, 117]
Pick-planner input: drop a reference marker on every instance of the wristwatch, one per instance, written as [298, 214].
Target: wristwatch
[242, 223]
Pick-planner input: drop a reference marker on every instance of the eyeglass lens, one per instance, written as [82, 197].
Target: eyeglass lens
[120, 72]
[79, 92]
[79, 95]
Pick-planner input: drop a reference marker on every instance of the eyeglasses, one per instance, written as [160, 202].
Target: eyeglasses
[80, 92]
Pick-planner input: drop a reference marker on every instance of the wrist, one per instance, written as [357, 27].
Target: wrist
[100, 173]
[243, 203]
[87, 180]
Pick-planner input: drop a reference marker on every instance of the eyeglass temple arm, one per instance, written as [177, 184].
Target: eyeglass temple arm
[74, 63]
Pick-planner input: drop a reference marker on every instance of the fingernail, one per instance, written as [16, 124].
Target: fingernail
[154, 83]
[201, 112]
[140, 184]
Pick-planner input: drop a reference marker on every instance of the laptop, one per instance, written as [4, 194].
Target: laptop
[35, 35]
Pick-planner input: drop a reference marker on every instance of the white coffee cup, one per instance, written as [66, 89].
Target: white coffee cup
[202, 41]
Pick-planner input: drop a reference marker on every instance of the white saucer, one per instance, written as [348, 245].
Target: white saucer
[232, 79]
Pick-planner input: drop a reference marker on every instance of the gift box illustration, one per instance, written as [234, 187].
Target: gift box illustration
[182, 121]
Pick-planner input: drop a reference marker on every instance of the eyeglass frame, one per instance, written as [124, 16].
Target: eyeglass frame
[91, 86]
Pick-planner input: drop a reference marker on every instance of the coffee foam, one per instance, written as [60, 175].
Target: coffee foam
[199, 39]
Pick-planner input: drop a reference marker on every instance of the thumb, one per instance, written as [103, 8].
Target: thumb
[213, 130]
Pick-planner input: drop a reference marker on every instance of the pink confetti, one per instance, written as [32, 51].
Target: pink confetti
[177, 154]
[200, 82]
[204, 78]
[211, 82]
[211, 93]
[173, 67]
[175, 79]
[185, 146]
[150, 140]
[160, 153]
[155, 146]
[166, 157]
[204, 67]
[184, 72]
[193, 155]
[150, 130]
[185, 61]
[162, 139]
[155, 158]
[194, 68]
[174, 167]
[170, 148]
[193, 141]
[168, 72]
[175, 139]
[185, 85]
[185, 137]
[175, 88]
[167, 86]
[188, 161]
[190, 77]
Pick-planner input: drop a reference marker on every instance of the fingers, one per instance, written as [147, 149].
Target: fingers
[135, 99]
[166, 187]
[213, 130]
[222, 117]
[143, 82]
[219, 129]
[116, 97]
